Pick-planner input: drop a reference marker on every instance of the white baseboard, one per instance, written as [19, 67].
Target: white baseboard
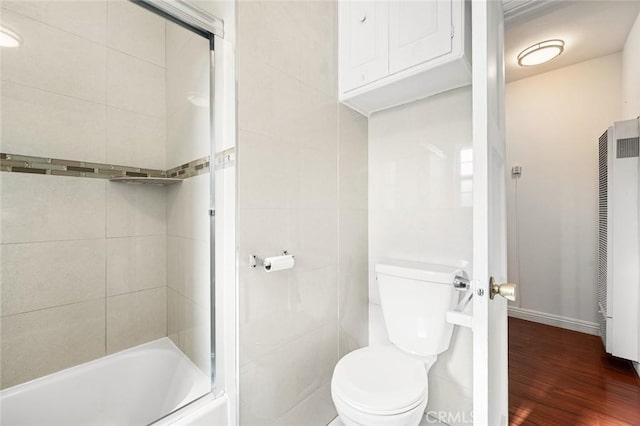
[555, 320]
[636, 366]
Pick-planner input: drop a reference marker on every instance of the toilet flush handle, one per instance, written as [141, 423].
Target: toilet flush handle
[461, 283]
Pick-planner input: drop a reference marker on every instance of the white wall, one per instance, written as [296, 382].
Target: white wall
[631, 74]
[420, 210]
[301, 188]
[553, 121]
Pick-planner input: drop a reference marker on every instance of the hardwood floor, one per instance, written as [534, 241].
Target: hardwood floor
[561, 377]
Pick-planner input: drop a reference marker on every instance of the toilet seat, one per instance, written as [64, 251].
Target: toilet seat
[380, 380]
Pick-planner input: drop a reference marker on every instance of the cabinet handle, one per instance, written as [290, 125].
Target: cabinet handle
[363, 18]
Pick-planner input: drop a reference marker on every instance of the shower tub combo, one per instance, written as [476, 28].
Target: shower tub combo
[124, 280]
[119, 389]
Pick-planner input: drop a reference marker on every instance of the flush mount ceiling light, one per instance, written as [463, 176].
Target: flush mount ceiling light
[9, 38]
[540, 53]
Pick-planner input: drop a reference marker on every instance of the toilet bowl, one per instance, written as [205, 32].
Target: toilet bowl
[388, 385]
[379, 385]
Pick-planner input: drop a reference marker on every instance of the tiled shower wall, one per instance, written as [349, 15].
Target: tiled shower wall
[84, 261]
[302, 167]
[188, 234]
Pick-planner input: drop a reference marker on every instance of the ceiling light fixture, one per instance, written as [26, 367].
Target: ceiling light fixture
[9, 38]
[540, 53]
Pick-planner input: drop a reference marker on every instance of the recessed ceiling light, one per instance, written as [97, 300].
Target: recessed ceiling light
[540, 53]
[9, 38]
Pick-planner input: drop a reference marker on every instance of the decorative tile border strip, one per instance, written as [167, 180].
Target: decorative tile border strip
[224, 159]
[54, 166]
[187, 170]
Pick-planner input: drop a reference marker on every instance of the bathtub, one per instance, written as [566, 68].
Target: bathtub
[134, 387]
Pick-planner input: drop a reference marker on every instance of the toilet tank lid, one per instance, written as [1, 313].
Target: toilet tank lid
[419, 271]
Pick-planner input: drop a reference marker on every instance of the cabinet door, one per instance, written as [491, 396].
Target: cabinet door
[364, 42]
[418, 32]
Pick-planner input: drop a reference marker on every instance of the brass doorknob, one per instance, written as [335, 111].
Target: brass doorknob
[506, 290]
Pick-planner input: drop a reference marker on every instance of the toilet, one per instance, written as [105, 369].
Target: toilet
[388, 384]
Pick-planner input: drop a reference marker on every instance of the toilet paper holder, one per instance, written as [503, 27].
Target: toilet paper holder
[258, 261]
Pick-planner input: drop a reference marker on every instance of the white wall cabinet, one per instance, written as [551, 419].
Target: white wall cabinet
[396, 51]
[365, 54]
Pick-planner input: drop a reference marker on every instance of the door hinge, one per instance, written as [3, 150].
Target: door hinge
[453, 30]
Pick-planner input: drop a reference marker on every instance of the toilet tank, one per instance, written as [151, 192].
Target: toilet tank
[415, 298]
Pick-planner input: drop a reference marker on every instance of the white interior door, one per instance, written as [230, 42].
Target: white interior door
[490, 380]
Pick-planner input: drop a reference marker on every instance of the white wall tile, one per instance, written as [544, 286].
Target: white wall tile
[188, 67]
[353, 153]
[135, 210]
[317, 44]
[280, 48]
[44, 124]
[377, 329]
[418, 210]
[135, 139]
[304, 44]
[318, 238]
[48, 340]
[175, 315]
[137, 32]
[318, 172]
[288, 200]
[87, 19]
[353, 278]
[54, 60]
[314, 410]
[188, 135]
[267, 317]
[269, 172]
[47, 208]
[136, 318]
[188, 96]
[455, 364]
[43, 275]
[189, 268]
[135, 85]
[195, 335]
[353, 233]
[188, 208]
[299, 365]
[316, 292]
[445, 396]
[273, 103]
[136, 263]
[415, 181]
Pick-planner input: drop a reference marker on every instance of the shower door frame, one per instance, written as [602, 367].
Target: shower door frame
[222, 220]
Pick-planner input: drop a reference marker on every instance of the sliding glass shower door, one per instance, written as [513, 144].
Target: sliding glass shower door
[105, 189]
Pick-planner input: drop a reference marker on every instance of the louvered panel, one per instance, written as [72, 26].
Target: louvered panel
[602, 235]
[627, 147]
